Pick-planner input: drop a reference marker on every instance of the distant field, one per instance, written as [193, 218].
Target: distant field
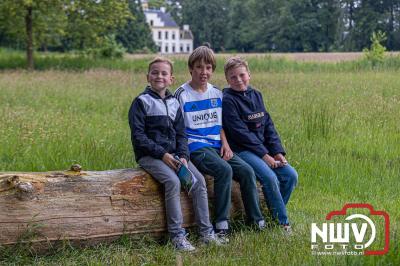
[300, 57]
[341, 131]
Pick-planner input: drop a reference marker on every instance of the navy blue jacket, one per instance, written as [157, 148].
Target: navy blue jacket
[247, 124]
[157, 126]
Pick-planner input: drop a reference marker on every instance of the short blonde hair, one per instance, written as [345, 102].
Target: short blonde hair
[161, 60]
[235, 62]
[202, 53]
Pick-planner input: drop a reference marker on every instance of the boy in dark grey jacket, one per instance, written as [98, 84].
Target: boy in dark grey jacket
[158, 134]
[252, 135]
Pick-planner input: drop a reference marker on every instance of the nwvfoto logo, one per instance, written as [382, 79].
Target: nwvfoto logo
[356, 232]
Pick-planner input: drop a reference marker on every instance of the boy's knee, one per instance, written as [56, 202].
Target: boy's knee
[293, 178]
[246, 171]
[225, 170]
[173, 185]
[200, 183]
[245, 176]
[269, 180]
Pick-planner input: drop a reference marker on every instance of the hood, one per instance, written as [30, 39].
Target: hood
[238, 93]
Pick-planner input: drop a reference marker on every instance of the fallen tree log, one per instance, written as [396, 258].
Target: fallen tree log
[85, 207]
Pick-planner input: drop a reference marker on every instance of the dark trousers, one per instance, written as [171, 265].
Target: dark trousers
[209, 162]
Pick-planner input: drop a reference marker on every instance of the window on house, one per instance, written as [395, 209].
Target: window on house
[180, 35]
[173, 48]
[173, 36]
[166, 49]
[166, 35]
[181, 48]
[151, 23]
[188, 48]
[159, 35]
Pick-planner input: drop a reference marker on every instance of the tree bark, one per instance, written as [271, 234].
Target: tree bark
[29, 38]
[86, 207]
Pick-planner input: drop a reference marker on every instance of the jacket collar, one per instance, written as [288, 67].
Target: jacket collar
[154, 94]
[241, 93]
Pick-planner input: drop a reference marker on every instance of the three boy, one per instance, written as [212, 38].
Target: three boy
[162, 127]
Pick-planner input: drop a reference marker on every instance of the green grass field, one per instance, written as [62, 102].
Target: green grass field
[340, 128]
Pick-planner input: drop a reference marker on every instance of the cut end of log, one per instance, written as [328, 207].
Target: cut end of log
[76, 168]
[25, 190]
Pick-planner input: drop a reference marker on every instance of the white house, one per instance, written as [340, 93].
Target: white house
[167, 35]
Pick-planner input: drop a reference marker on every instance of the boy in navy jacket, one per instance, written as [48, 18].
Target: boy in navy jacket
[252, 135]
[158, 134]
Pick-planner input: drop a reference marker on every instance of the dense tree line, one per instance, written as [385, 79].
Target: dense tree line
[228, 25]
[291, 25]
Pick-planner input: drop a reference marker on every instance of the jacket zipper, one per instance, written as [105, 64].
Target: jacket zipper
[168, 121]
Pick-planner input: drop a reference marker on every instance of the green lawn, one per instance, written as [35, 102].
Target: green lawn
[341, 130]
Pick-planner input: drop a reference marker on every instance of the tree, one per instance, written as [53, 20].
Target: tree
[363, 17]
[136, 34]
[266, 28]
[89, 22]
[376, 53]
[174, 7]
[392, 29]
[240, 30]
[30, 21]
[46, 21]
[301, 25]
[208, 21]
[328, 14]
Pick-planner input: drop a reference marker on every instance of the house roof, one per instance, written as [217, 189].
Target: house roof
[187, 35]
[165, 17]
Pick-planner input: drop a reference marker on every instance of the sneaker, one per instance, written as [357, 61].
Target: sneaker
[287, 229]
[181, 243]
[213, 238]
[222, 234]
[261, 226]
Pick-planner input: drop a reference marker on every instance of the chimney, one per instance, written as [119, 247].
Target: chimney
[163, 9]
[145, 5]
[186, 27]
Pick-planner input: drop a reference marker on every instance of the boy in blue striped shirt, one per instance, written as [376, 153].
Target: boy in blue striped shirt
[201, 105]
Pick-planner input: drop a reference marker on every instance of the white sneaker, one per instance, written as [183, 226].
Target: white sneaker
[213, 238]
[287, 230]
[181, 243]
[261, 225]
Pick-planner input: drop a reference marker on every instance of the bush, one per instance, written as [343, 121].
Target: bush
[108, 49]
[376, 53]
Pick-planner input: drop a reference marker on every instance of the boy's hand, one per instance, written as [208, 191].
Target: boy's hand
[280, 158]
[169, 160]
[183, 160]
[271, 162]
[226, 152]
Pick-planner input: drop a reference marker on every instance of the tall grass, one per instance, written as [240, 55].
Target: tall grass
[341, 131]
[260, 63]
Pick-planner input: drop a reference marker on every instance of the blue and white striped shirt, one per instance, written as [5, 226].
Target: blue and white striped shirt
[202, 112]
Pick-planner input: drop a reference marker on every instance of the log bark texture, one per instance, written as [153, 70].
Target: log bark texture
[86, 207]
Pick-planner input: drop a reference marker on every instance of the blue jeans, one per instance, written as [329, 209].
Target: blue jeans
[277, 184]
